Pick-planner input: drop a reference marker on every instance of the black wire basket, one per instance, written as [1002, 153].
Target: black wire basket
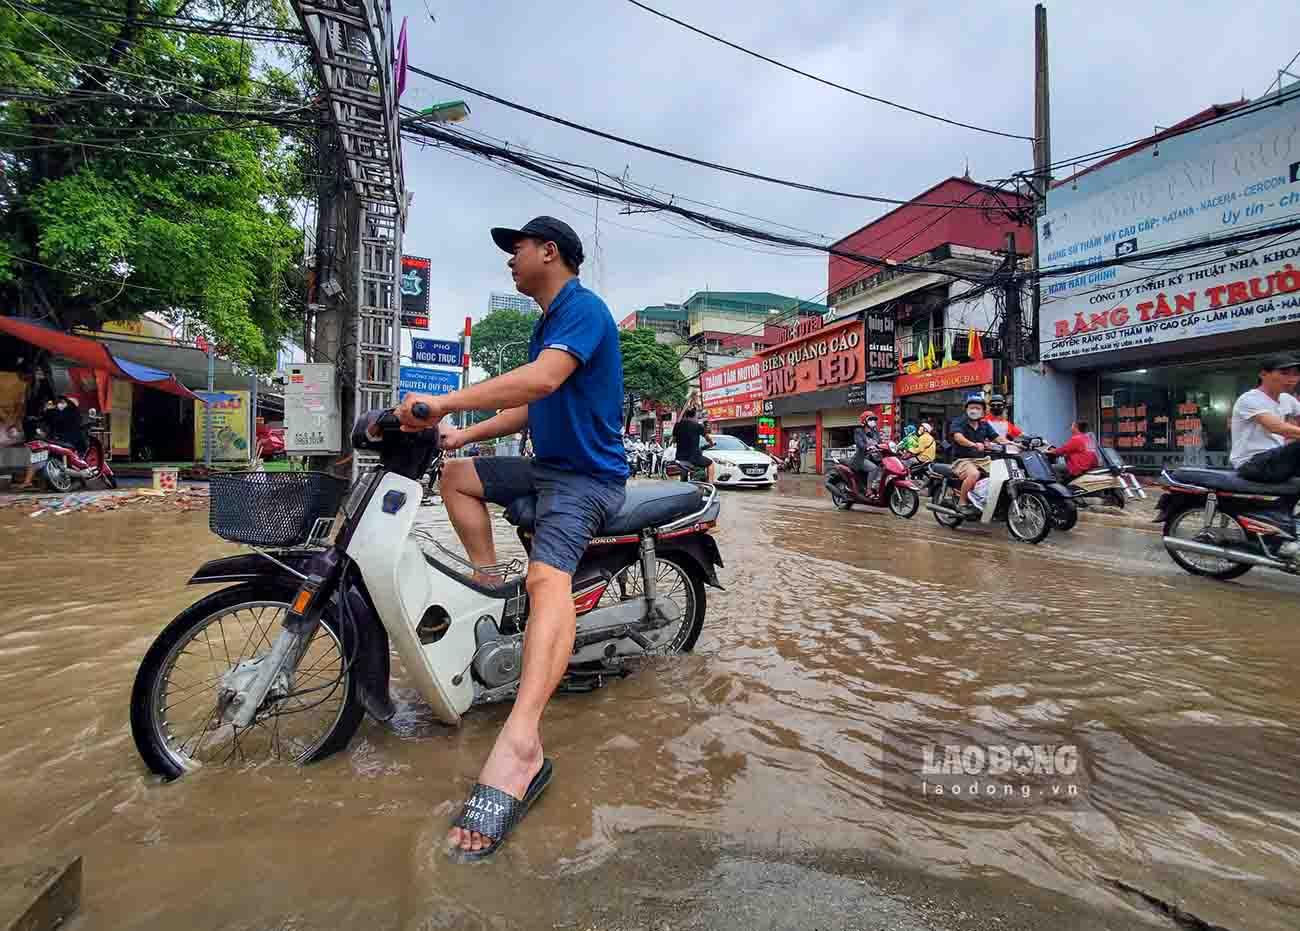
[272, 508]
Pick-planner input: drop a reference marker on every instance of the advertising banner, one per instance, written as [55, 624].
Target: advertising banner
[435, 352]
[425, 381]
[831, 357]
[733, 391]
[1234, 176]
[415, 292]
[881, 346]
[966, 375]
[229, 411]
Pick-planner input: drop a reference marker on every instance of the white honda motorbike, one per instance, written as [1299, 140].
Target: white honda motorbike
[286, 660]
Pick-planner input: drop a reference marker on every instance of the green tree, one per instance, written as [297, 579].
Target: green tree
[144, 168]
[650, 369]
[507, 330]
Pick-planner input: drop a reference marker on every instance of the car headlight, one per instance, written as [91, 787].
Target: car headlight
[725, 462]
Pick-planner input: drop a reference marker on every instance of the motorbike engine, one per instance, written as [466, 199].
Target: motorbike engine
[498, 660]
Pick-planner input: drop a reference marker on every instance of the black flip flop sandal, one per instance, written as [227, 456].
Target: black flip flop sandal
[493, 813]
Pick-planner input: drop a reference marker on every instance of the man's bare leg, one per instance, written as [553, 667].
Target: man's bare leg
[516, 756]
[462, 496]
[969, 479]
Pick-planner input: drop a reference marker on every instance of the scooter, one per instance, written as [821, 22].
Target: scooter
[63, 467]
[891, 487]
[286, 659]
[1020, 492]
[1220, 525]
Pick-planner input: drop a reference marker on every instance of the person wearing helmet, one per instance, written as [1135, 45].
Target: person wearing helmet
[999, 421]
[971, 436]
[926, 448]
[866, 438]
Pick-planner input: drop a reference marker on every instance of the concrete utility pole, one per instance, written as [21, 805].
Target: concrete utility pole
[1042, 149]
[1013, 327]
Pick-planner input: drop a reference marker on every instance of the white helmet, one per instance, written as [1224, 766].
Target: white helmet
[925, 427]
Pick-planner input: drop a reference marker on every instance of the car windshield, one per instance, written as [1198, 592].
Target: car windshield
[721, 441]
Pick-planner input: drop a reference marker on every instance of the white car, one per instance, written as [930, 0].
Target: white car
[735, 463]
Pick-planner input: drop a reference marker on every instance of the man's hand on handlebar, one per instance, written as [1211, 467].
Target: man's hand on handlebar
[420, 412]
[451, 438]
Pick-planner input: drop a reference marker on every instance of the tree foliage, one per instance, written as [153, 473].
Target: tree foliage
[151, 170]
[507, 330]
[650, 368]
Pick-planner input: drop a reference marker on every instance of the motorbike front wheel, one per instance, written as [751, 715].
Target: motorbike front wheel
[1029, 517]
[177, 701]
[937, 498]
[904, 502]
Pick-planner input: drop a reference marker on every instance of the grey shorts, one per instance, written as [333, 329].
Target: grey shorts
[570, 507]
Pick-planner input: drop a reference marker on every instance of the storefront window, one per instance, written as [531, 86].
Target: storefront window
[1173, 415]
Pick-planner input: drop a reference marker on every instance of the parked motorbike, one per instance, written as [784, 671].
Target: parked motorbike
[1021, 491]
[63, 467]
[792, 462]
[1220, 525]
[288, 657]
[891, 486]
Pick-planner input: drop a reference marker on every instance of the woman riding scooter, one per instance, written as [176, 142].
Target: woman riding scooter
[866, 438]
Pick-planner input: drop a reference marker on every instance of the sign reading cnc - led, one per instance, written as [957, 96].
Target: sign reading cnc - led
[831, 357]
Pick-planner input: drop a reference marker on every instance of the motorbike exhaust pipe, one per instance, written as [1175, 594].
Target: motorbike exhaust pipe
[941, 509]
[1222, 552]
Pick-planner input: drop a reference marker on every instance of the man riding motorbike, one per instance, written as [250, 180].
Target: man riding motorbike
[570, 395]
[1264, 447]
[971, 436]
[866, 437]
[1076, 455]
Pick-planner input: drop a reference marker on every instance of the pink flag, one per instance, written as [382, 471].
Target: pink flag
[401, 60]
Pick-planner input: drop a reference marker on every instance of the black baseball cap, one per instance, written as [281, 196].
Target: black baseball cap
[547, 229]
[1280, 360]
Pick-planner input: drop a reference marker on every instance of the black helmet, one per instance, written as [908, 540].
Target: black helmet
[997, 400]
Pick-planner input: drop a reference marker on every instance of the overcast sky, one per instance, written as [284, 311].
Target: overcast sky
[1117, 69]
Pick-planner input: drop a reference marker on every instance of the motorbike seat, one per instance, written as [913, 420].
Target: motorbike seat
[1227, 480]
[648, 504]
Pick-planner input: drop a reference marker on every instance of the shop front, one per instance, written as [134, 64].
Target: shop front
[733, 399]
[1153, 350]
[815, 389]
[938, 396]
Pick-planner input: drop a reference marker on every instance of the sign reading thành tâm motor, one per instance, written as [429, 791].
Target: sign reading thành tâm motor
[1238, 174]
[734, 390]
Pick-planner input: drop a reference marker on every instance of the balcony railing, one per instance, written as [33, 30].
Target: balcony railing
[909, 344]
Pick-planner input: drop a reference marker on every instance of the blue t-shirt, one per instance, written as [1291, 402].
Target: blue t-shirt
[578, 428]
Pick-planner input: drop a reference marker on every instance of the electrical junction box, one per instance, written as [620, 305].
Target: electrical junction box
[311, 410]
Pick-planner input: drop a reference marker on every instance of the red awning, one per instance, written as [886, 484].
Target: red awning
[94, 354]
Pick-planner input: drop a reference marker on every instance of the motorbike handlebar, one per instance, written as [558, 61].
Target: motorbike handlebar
[421, 410]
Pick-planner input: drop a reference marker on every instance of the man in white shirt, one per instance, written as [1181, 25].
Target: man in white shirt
[1263, 441]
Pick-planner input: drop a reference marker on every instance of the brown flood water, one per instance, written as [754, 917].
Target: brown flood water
[837, 633]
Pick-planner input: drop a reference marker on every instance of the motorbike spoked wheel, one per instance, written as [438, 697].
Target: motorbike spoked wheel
[1189, 524]
[1065, 514]
[177, 700]
[1116, 499]
[674, 583]
[57, 475]
[904, 502]
[945, 520]
[1029, 517]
